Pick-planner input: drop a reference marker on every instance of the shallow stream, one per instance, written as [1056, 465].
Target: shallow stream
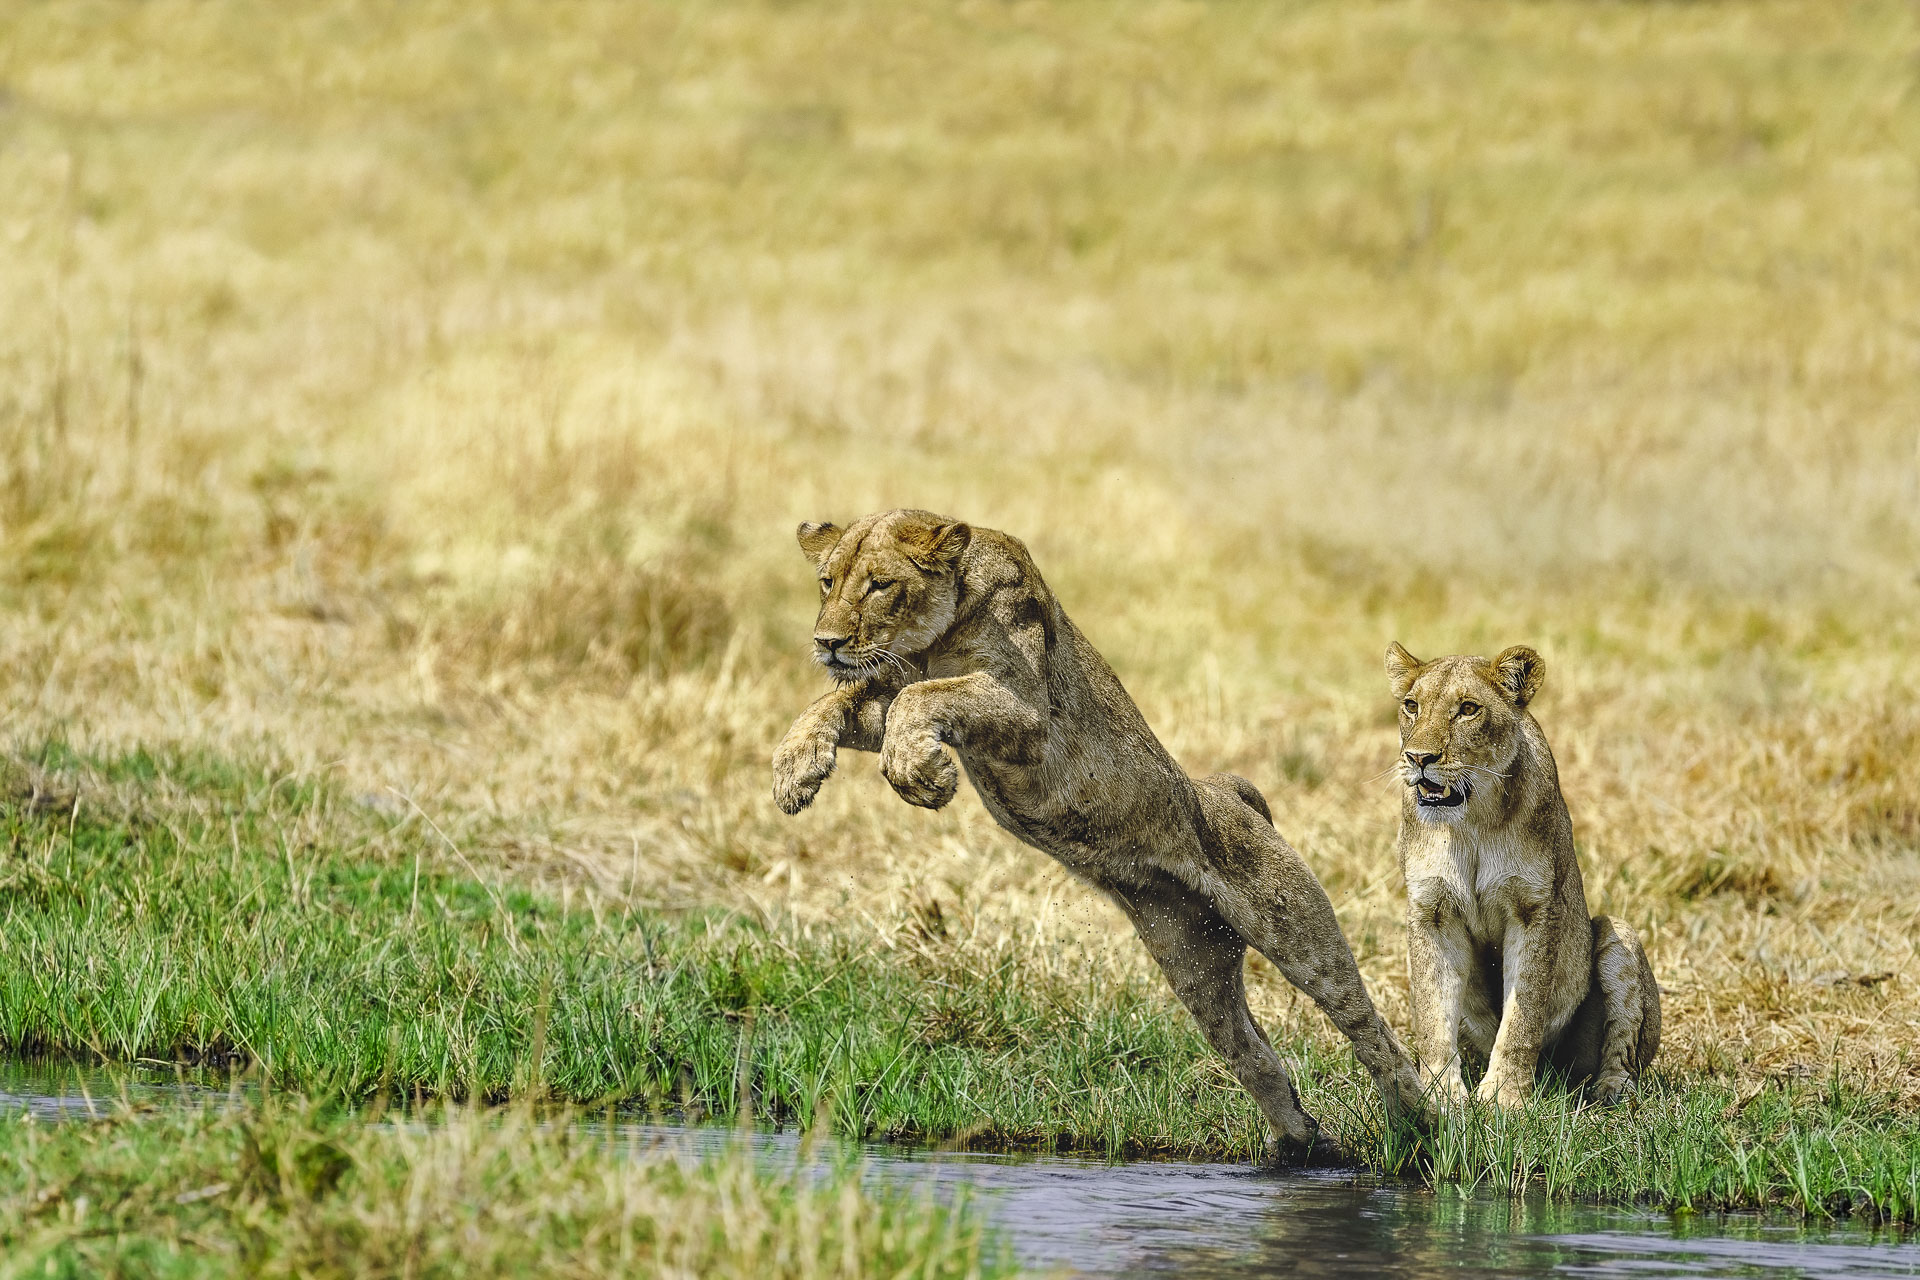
[1213, 1221]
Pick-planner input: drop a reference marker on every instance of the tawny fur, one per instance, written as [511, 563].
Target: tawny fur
[1501, 954]
[944, 642]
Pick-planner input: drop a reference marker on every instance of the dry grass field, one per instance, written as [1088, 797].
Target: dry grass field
[423, 397]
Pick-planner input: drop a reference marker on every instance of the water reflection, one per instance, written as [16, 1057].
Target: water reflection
[1207, 1221]
[61, 1090]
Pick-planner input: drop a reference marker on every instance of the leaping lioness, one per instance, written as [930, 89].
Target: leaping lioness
[1501, 955]
[940, 636]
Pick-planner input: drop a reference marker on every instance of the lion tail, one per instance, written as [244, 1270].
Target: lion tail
[1238, 787]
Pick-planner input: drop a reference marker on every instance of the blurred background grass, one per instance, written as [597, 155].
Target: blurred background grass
[425, 395]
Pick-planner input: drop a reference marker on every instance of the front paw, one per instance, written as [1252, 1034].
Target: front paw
[1506, 1091]
[919, 769]
[1318, 1151]
[1445, 1088]
[1610, 1089]
[800, 764]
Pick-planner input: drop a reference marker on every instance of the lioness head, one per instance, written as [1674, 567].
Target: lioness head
[1460, 722]
[889, 584]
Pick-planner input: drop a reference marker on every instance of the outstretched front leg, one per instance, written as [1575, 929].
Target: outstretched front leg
[979, 713]
[850, 715]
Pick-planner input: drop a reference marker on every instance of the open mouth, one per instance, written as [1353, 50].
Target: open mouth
[1439, 795]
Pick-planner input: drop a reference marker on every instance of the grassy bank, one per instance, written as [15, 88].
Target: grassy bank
[425, 398]
[289, 1189]
[248, 920]
[189, 910]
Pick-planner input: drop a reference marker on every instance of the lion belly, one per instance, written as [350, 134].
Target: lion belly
[1103, 818]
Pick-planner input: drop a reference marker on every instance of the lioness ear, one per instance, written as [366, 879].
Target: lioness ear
[818, 540]
[939, 546]
[1518, 671]
[1402, 669]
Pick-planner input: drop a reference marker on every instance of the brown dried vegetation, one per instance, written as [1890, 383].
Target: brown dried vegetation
[427, 397]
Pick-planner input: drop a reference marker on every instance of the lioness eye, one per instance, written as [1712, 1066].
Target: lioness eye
[878, 584]
[1411, 707]
[826, 585]
[1469, 708]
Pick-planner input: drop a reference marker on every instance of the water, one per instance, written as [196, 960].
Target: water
[60, 1090]
[1208, 1221]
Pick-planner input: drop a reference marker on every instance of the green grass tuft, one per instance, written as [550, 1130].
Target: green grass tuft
[219, 915]
[297, 1189]
[213, 931]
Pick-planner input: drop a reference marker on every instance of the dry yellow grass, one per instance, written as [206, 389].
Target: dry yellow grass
[427, 394]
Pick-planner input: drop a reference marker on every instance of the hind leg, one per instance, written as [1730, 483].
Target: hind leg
[1631, 1000]
[1203, 960]
[1268, 894]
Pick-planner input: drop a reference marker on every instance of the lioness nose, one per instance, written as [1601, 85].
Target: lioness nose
[830, 643]
[1421, 759]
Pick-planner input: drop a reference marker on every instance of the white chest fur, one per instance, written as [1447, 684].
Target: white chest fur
[1481, 880]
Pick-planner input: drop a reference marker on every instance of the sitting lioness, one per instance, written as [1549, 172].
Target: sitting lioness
[1501, 954]
[941, 638]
